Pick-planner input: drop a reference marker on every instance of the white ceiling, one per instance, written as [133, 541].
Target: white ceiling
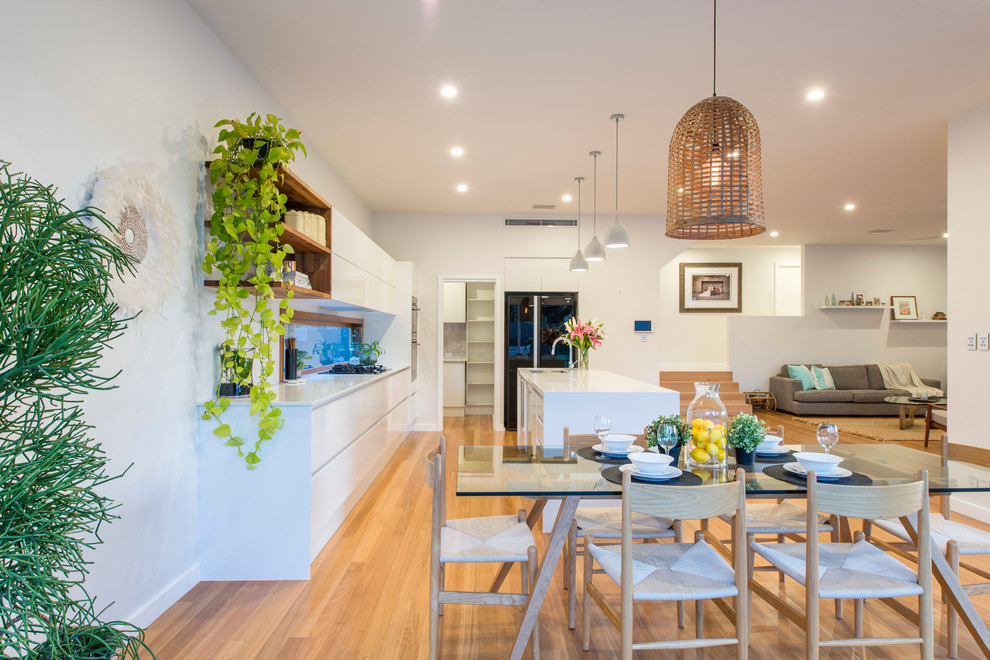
[538, 80]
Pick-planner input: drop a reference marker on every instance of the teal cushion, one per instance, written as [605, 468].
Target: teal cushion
[822, 378]
[803, 374]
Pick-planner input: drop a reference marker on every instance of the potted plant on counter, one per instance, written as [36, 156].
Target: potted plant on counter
[371, 352]
[745, 432]
[652, 433]
[246, 255]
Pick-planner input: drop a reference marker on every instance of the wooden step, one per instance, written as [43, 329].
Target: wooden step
[703, 376]
[732, 409]
[688, 386]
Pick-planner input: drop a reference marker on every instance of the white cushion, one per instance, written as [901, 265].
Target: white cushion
[971, 541]
[492, 538]
[845, 570]
[782, 518]
[670, 571]
[940, 417]
[606, 523]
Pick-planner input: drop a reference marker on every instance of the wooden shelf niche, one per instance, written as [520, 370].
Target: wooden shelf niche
[311, 257]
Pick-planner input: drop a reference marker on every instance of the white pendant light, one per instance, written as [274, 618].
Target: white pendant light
[595, 251]
[578, 263]
[617, 236]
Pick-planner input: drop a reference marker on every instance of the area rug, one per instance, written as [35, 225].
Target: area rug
[875, 428]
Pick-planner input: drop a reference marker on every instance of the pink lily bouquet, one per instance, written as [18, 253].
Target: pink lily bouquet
[584, 336]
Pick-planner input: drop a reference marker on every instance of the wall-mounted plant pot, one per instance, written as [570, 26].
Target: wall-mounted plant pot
[263, 146]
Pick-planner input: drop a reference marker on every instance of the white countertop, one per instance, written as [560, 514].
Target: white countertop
[550, 381]
[318, 390]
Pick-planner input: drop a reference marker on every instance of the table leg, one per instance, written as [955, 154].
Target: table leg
[953, 591]
[906, 417]
[560, 529]
[531, 520]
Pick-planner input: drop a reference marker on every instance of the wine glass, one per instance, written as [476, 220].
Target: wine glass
[667, 437]
[828, 435]
[603, 424]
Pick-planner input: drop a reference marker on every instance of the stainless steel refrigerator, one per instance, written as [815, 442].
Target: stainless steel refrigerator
[532, 322]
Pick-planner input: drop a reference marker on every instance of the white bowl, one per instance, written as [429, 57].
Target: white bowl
[619, 441]
[649, 463]
[820, 463]
[770, 443]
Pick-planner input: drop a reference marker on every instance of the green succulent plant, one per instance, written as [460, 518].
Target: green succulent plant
[683, 430]
[745, 432]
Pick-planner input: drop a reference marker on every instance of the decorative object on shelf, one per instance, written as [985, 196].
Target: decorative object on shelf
[708, 421]
[846, 303]
[595, 251]
[745, 433]
[617, 236]
[142, 225]
[714, 181]
[582, 336]
[244, 237]
[291, 361]
[939, 316]
[833, 299]
[904, 308]
[58, 315]
[683, 433]
[370, 352]
[578, 263]
[859, 299]
[711, 288]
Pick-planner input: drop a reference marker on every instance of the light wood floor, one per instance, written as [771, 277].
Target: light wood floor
[368, 594]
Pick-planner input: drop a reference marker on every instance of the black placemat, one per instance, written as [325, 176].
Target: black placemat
[614, 474]
[778, 472]
[599, 457]
[787, 457]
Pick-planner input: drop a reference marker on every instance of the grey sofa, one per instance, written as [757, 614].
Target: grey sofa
[858, 390]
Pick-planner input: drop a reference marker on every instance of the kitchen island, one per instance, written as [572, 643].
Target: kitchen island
[551, 399]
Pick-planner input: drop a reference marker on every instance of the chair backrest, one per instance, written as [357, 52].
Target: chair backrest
[579, 439]
[684, 502]
[869, 502]
[436, 479]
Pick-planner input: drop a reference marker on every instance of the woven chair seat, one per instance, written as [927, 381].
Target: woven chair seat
[846, 570]
[606, 523]
[670, 571]
[492, 538]
[782, 518]
[971, 541]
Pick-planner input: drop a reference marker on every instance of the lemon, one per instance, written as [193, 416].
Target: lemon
[709, 424]
[704, 437]
[700, 455]
[721, 454]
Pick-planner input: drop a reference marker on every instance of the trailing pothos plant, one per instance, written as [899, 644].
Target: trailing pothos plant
[246, 253]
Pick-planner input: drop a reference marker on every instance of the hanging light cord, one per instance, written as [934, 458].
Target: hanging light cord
[617, 167]
[579, 213]
[714, 40]
[594, 211]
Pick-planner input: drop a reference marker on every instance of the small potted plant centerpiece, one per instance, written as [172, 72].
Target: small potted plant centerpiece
[745, 432]
[653, 431]
[371, 352]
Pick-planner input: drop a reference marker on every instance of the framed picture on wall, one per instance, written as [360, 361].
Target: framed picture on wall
[711, 288]
[904, 308]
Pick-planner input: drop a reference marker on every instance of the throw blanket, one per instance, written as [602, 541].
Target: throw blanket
[901, 376]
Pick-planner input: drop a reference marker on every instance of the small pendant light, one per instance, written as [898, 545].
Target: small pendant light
[617, 236]
[578, 263]
[595, 251]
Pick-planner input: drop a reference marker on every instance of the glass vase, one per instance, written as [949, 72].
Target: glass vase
[583, 359]
[708, 421]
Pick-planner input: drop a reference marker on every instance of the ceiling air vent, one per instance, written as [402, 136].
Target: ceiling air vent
[540, 222]
[544, 207]
[879, 231]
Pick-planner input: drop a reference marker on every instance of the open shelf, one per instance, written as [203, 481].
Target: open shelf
[280, 289]
[919, 320]
[872, 308]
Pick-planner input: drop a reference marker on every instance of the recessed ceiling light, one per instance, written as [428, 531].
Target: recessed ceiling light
[816, 94]
[945, 235]
[449, 91]
[462, 187]
[457, 151]
[849, 207]
[774, 234]
[566, 198]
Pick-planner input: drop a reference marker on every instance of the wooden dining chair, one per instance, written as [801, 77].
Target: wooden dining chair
[858, 570]
[673, 571]
[606, 523]
[936, 417]
[491, 539]
[785, 520]
[954, 538]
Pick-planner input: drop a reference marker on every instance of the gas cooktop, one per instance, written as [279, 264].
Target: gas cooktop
[344, 368]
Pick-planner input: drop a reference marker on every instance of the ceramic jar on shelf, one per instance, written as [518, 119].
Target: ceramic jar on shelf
[708, 422]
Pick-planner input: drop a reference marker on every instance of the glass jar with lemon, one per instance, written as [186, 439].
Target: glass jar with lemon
[708, 421]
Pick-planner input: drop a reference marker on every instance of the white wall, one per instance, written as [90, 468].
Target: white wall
[88, 85]
[759, 345]
[698, 340]
[969, 236]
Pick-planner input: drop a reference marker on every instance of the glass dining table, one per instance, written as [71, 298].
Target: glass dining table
[560, 473]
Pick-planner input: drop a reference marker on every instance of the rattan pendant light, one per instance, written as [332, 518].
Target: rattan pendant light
[578, 263]
[714, 184]
[595, 251]
[617, 236]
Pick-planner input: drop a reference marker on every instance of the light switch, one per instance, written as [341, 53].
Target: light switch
[983, 341]
[642, 337]
[971, 341]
